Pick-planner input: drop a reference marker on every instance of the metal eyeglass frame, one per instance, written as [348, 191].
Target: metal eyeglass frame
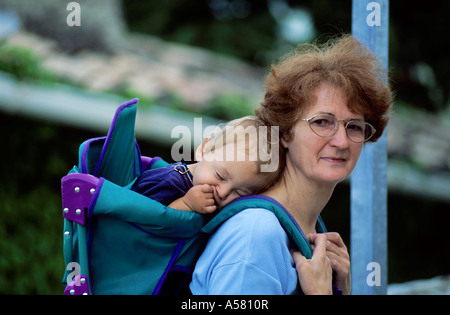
[346, 122]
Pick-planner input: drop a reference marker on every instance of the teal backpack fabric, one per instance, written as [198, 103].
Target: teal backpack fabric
[128, 243]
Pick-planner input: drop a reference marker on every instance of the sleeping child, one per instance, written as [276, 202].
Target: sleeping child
[230, 165]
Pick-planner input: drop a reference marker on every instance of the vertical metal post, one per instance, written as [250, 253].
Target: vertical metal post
[370, 25]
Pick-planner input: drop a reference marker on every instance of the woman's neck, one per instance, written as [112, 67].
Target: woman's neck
[303, 199]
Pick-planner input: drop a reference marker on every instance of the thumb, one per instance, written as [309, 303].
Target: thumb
[298, 257]
[207, 188]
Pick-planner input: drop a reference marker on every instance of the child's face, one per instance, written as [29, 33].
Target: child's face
[231, 179]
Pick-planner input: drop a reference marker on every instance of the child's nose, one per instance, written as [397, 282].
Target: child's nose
[222, 191]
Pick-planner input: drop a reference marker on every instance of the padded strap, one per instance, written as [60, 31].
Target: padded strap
[286, 220]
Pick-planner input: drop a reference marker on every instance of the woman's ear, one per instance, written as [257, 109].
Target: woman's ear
[285, 139]
[199, 152]
[283, 143]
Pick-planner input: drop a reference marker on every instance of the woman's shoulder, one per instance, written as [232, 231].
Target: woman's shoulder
[248, 253]
[253, 225]
[257, 216]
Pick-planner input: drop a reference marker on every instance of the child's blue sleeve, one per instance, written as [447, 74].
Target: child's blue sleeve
[162, 185]
[248, 254]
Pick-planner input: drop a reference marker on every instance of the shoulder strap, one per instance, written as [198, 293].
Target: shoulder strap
[286, 220]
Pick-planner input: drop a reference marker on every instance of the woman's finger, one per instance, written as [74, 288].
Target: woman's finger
[320, 245]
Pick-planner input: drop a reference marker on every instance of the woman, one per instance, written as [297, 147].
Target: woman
[327, 101]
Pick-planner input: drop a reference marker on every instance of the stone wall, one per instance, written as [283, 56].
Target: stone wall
[102, 25]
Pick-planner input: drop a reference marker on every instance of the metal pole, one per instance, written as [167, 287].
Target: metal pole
[370, 25]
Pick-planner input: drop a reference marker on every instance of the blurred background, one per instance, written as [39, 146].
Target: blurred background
[60, 85]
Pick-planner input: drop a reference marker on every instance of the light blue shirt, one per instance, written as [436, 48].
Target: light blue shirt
[248, 254]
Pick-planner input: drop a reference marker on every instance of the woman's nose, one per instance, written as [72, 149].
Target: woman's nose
[340, 139]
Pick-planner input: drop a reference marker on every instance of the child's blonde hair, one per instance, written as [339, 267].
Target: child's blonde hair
[254, 141]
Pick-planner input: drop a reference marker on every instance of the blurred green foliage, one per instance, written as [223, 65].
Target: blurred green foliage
[417, 34]
[194, 23]
[22, 63]
[223, 106]
[31, 260]
[34, 158]
[229, 106]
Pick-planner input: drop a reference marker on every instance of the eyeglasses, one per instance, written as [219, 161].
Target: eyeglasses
[326, 125]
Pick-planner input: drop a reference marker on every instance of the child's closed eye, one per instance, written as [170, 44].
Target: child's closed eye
[219, 176]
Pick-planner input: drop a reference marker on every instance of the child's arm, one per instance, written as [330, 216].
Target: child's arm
[149, 215]
[199, 198]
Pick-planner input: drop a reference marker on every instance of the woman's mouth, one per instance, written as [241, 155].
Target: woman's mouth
[334, 160]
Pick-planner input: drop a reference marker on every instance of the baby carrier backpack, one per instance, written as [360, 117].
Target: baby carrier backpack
[117, 241]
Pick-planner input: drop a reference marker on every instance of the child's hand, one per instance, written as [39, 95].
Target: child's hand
[200, 199]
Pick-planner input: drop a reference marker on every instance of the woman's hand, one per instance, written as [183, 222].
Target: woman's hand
[315, 274]
[337, 253]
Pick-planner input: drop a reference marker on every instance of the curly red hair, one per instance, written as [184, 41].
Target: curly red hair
[344, 63]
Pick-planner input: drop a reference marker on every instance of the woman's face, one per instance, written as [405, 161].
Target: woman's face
[325, 160]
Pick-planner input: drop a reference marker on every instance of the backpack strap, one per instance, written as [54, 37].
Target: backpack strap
[286, 220]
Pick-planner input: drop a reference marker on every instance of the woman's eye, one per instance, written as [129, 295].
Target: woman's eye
[322, 122]
[355, 127]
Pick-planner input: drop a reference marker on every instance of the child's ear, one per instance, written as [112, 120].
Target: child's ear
[201, 150]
